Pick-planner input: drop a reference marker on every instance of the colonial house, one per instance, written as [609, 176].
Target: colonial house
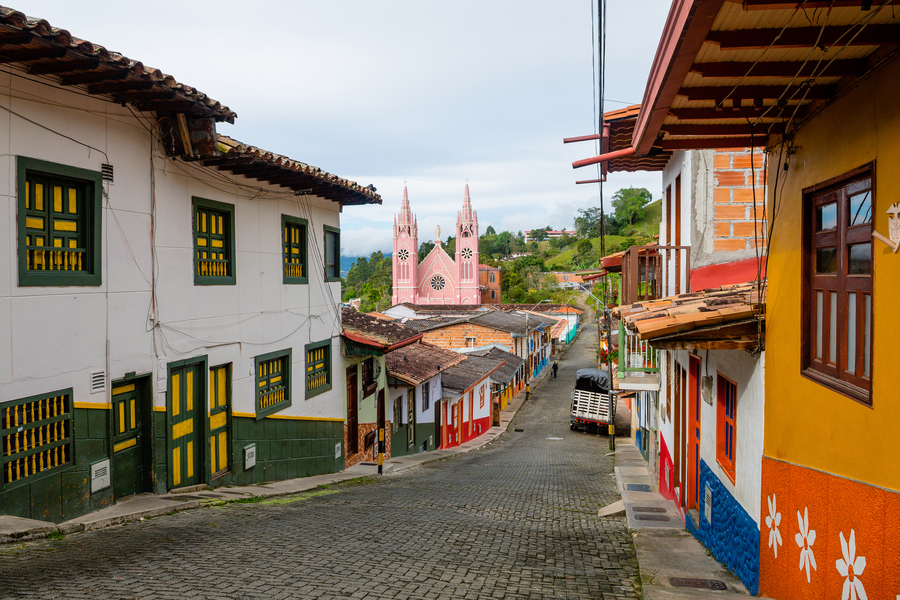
[366, 340]
[816, 86]
[416, 396]
[490, 282]
[169, 295]
[466, 410]
[508, 380]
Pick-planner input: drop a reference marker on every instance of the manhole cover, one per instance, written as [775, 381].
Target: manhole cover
[651, 509]
[518, 430]
[651, 518]
[637, 487]
[700, 584]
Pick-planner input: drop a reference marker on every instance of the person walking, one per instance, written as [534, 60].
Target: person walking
[555, 369]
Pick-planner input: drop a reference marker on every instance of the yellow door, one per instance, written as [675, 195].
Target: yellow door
[219, 408]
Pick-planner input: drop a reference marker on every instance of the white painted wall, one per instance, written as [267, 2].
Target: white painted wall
[59, 335]
[434, 385]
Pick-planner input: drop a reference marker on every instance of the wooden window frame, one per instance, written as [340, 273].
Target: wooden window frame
[291, 249]
[51, 428]
[396, 414]
[426, 396]
[834, 376]
[220, 404]
[226, 211]
[369, 381]
[312, 372]
[90, 184]
[726, 425]
[264, 383]
[332, 239]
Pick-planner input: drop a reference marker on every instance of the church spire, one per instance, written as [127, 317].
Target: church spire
[405, 213]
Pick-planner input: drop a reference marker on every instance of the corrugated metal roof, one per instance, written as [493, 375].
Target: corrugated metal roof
[420, 362]
[49, 51]
[462, 376]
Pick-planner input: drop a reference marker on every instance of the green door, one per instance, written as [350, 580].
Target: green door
[185, 406]
[219, 393]
[128, 440]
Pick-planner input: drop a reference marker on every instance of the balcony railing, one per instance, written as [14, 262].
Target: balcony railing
[648, 273]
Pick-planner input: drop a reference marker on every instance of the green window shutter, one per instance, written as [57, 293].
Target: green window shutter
[293, 240]
[213, 224]
[58, 224]
[318, 368]
[332, 254]
[273, 382]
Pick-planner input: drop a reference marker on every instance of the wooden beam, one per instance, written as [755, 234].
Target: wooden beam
[804, 37]
[141, 95]
[173, 105]
[735, 344]
[57, 67]
[94, 77]
[24, 55]
[743, 113]
[711, 143]
[712, 130]
[753, 92]
[16, 39]
[805, 4]
[113, 87]
[731, 70]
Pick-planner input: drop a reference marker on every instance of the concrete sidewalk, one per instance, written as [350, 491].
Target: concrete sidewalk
[146, 505]
[673, 564]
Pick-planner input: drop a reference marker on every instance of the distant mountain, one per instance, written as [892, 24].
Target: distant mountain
[347, 262]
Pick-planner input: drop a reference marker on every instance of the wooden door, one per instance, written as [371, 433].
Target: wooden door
[693, 432]
[445, 426]
[352, 412]
[185, 406]
[410, 418]
[455, 423]
[381, 421]
[129, 468]
[680, 409]
[471, 412]
[219, 419]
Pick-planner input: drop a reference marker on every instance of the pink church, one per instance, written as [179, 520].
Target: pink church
[439, 279]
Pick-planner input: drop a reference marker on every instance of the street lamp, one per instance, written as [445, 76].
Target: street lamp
[527, 349]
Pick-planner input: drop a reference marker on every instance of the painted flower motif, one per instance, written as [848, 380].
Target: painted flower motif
[805, 540]
[851, 567]
[772, 522]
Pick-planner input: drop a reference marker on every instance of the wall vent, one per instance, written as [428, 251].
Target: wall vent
[98, 382]
[107, 172]
[707, 500]
[100, 476]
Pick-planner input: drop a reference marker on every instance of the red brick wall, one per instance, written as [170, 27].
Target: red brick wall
[454, 336]
[487, 286]
[735, 225]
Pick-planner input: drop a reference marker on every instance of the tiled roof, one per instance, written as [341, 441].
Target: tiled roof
[464, 375]
[420, 362]
[53, 52]
[250, 161]
[446, 308]
[511, 364]
[508, 322]
[372, 331]
[727, 313]
[542, 307]
[433, 323]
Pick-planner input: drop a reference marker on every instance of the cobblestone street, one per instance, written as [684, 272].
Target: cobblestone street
[515, 519]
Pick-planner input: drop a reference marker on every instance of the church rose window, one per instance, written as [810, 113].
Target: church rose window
[403, 254]
[467, 253]
[438, 282]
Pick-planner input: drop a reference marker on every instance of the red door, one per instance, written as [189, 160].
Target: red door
[693, 432]
[471, 412]
[445, 426]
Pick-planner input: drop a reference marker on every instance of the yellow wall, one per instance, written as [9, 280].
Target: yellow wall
[806, 423]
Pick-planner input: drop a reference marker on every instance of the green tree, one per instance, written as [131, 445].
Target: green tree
[424, 249]
[588, 223]
[629, 204]
[490, 230]
[538, 235]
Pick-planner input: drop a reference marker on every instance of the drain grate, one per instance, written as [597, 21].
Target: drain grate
[651, 518]
[518, 430]
[700, 584]
[650, 509]
[637, 487]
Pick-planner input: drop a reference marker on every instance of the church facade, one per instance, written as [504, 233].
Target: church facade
[438, 279]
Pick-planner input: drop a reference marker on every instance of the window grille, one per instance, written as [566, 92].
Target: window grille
[294, 249]
[36, 436]
[318, 368]
[213, 242]
[273, 390]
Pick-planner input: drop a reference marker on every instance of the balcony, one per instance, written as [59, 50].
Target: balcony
[648, 273]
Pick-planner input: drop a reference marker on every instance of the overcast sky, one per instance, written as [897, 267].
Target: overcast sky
[387, 91]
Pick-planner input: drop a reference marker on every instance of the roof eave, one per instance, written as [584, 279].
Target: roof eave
[686, 27]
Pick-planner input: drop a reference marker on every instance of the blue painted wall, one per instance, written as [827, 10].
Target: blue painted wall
[733, 536]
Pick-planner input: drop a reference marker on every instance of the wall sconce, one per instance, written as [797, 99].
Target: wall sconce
[706, 384]
[893, 228]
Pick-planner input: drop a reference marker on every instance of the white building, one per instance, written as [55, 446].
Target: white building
[169, 296]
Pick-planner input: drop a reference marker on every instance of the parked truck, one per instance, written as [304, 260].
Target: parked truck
[592, 401]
